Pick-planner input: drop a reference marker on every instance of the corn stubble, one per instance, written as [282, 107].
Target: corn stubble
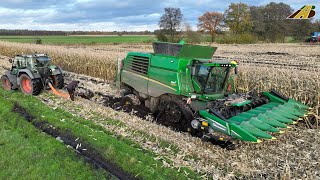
[100, 61]
[294, 155]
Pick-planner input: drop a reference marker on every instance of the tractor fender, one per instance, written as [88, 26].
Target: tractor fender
[29, 73]
[12, 79]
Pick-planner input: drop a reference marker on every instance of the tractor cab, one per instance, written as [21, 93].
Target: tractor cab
[30, 61]
[41, 61]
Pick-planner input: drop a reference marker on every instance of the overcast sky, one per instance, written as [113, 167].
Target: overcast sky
[110, 15]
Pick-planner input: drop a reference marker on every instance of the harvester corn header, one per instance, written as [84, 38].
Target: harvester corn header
[189, 90]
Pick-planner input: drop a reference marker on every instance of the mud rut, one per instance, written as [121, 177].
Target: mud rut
[80, 146]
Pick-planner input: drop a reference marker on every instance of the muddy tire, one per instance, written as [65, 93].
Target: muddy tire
[125, 91]
[130, 99]
[58, 81]
[6, 84]
[30, 86]
[175, 113]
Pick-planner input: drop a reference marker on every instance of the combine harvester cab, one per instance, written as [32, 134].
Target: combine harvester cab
[195, 92]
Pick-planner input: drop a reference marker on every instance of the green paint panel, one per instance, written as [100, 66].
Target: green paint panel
[262, 109]
[296, 108]
[270, 121]
[254, 131]
[256, 112]
[164, 81]
[196, 85]
[237, 119]
[214, 122]
[246, 115]
[164, 62]
[196, 51]
[270, 105]
[285, 114]
[244, 135]
[262, 125]
[140, 84]
[274, 103]
[273, 98]
[292, 101]
[278, 117]
[291, 110]
[238, 104]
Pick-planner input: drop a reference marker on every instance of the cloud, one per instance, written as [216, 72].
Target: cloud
[33, 4]
[109, 14]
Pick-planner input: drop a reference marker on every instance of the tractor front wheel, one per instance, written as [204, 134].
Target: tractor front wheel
[6, 84]
[30, 86]
[58, 81]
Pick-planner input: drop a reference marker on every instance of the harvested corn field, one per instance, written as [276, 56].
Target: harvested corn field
[291, 69]
[294, 154]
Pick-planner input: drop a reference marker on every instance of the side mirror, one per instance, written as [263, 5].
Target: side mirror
[193, 71]
[236, 70]
[10, 60]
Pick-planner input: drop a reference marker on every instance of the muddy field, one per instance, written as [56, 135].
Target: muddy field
[293, 154]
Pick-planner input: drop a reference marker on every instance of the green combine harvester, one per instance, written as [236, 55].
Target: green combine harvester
[189, 90]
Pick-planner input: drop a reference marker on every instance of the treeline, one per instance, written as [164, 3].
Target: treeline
[24, 32]
[6, 32]
[269, 23]
[239, 23]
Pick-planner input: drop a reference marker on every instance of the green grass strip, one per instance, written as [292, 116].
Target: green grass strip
[126, 154]
[27, 153]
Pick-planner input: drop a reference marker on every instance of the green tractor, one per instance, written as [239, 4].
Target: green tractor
[189, 90]
[32, 73]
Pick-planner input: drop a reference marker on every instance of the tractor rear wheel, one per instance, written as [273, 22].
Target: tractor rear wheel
[58, 81]
[6, 84]
[30, 86]
[175, 113]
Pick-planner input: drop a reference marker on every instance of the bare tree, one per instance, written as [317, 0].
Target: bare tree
[210, 22]
[171, 22]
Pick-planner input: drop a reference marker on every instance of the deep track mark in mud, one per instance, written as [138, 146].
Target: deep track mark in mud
[79, 145]
[271, 53]
[117, 104]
